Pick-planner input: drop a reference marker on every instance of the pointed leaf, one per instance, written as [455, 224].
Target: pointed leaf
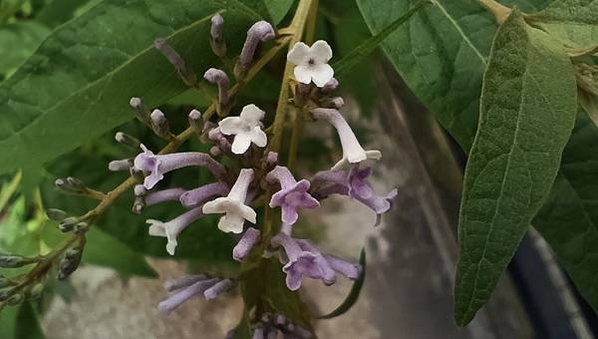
[78, 83]
[527, 112]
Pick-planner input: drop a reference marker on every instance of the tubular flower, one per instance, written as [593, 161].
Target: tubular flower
[158, 165]
[249, 239]
[312, 62]
[261, 31]
[218, 77]
[185, 288]
[352, 151]
[292, 196]
[200, 195]
[171, 229]
[246, 128]
[233, 206]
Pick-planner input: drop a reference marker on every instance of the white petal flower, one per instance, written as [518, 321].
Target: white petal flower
[312, 62]
[171, 229]
[246, 128]
[233, 206]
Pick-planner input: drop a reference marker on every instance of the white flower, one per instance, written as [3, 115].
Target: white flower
[233, 206]
[246, 128]
[312, 62]
[171, 229]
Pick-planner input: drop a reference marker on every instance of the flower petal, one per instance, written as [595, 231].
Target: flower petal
[258, 137]
[215, 206]
[230, 125]
[303, 74]
[241, 143]
[251, 115]
[321, 74]
[321, 52]
[299, 54]
[231, 223]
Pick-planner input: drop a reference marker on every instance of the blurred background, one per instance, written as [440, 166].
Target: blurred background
[411, 256]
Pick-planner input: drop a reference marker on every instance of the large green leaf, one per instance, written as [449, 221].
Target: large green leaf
[20, 322]
[573, 21]
[78, 83]
[569, 219]
[104, 250]
[19, 41]
[527, 112]
[278, 9]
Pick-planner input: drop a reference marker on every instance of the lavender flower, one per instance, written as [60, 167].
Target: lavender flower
[184, 289]
[217, 37]
[246, 128]
[233, 206]
[171, 229]
[218, 77]
[354, 184]
[243, 247]
[175, 59]
[261, 31]
[330, 86]
[171, 194]
[352, 151]
[218, 288]
[200, 195]
[292, 195]
[158, 165]
[303, 263]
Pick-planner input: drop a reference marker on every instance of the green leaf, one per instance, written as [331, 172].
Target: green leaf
[8, 321]
[353, 294]
[574, 22]
[84, 74]
[569, 219]
[104, 250]
[59, 11]
[528, 109]
[587, 83]
[278, 9]
[368, 46]
[28, 326]
[23, 38]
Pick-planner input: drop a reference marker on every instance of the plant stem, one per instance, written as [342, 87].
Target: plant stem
[501, 12]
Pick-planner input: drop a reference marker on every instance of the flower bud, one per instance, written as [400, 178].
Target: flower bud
[81, 227]
[219, 77]
[217, 37]
[68, 224]
[56, 214]
[186, 74]
[120, 165]
[127, 140]
[36, 291]
[330, 86]
[261, 31]
[14, 261]
[160, 124]
[334, 102]
[69, 263]
[15, 299]
[137, 174]
[6, 293]
[71, 185]
[141, 112]
[195, 121]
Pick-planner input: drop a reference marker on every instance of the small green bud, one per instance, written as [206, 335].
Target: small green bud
[71, 185]
[68, 224]
[81, 227]
[127, 140]
[6, 293]
[14, 261]
[141, 112]
[56, 214]
[15, 299]
[70, 263]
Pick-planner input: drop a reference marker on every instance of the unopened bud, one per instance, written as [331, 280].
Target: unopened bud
[335, 102]
[140, 190]
[175, 59]
[56, 214]
[71, 185]
[136, 174]
[217, 37]
[14, 261]
[141, 112]
[36, 291]
[261, 31]
[219, 77]
[15, 299]
[119, 165]
[127, 140]
[6, 293]
[160, 124]
[138, 205]
[81, 227]
[195, 121]
[215, 151]
[330, 86]
[70, 263]
[68, 224]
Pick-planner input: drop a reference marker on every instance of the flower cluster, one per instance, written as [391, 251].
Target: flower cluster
[237, 190]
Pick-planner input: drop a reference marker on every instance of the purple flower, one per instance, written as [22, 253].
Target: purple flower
[171, 229]
[352, 151]
[354, 184]
[171, 194]
[200, 195]
[292, 195]
[344, 267]
[218, 288]
[244, 246]
[303, 263]
[158, 165]
[185, 288]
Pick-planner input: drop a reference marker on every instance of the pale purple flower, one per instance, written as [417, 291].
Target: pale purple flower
[312, 62]
[171, 229]
[261, 31]
[200, 195]
[303, 263]
[244, 246]
[233, 206]
[330, 86]
[353, 183]
[171, 194]
[217, 37]
[246, 128]
[292, 196]
[344, 267]
[184, 289]
[158, 165]
[219, 77]
[352, 151]
[219, 139]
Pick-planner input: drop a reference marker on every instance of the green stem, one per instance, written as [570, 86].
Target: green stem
[501, 12]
